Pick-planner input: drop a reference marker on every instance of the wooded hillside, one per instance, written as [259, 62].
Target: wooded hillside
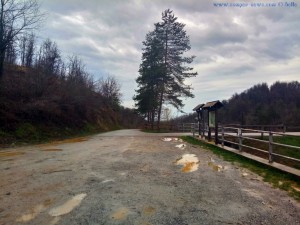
[35, 105]
[43, 96]
[260, 105]
[277, 104]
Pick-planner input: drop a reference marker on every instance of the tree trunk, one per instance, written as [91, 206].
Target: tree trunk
[160, 107]
[2, 57]
[152, 119]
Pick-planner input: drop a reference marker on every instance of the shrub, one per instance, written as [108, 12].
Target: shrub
[27, 131]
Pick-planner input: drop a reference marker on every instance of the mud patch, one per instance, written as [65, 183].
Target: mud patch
[215, 167]
[189, 163]
[74, 140]
[68, 206]
[67, 141]
[9, 153]
[120, 214]
[52, 150]
[35, 211]
[148, 211]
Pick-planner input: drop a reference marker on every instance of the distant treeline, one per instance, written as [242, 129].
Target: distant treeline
[277, 104]
[41, 94]
[261, 105]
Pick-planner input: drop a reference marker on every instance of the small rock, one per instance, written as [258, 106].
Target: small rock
[245, 174]
[8, 193]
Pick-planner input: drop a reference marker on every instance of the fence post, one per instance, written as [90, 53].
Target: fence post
[270, 147]
[193, 128]
[262, 133]
[222, 136]
[284, 128]
[240, 138]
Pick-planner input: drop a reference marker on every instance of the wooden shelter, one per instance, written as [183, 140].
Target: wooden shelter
[212, 112]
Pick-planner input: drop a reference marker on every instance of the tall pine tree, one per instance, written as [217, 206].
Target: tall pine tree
[164, 68]
[150, 78]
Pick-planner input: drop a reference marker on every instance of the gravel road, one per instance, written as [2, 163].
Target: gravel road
[134, 178]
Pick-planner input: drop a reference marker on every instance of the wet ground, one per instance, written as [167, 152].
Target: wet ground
[129, 177]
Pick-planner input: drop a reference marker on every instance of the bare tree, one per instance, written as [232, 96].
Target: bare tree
[22, 48]
[109, 88]
[15, 18]
[26, 49]
[49, 58]
[10, 56]
[29, 53]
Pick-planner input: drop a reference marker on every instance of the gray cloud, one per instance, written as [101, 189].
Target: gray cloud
[234, 48]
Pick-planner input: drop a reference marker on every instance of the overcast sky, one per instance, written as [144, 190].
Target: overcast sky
[235, 48]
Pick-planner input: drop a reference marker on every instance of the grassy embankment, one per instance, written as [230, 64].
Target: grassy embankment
[277, 178]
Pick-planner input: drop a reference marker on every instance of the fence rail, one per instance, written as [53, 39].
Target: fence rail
[241, 134]
[181, 127]
[279, 127]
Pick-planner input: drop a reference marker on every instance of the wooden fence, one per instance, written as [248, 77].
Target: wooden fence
[181, 127]
[257, 142]
[242, 138]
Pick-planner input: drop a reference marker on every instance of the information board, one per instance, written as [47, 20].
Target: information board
[212, 119]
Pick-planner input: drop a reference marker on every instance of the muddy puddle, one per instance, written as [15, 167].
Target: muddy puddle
[216, 167]
[167, 139]
[120, 214]
[181, 146]
[189, 163]
[68, 206]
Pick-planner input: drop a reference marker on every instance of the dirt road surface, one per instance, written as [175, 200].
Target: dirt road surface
[130, 177]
